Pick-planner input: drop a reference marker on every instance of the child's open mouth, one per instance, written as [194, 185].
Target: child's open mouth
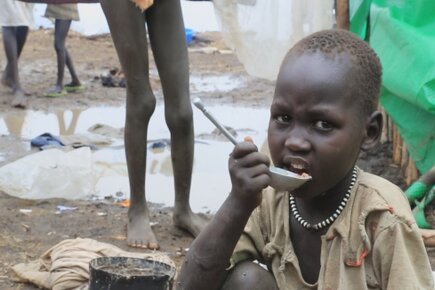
[297, 167]
[299, 171]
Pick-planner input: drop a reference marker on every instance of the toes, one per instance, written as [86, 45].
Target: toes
[143, 245]
[153, 246]
[137, 244]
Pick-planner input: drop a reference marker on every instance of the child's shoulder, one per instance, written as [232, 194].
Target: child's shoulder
[381, 187]
[378, 183]
[375, 191]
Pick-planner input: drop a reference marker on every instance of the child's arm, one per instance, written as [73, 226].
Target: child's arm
[209, 255]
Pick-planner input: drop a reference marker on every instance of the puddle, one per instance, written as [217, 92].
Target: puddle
[210, 180]
[210, 83]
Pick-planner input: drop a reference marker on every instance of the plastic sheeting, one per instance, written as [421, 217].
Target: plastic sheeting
[403, 34]
[51, 173]
[261, 32]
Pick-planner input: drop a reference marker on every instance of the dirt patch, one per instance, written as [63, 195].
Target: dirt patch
[30, 227]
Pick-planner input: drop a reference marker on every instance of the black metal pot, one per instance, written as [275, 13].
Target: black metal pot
[124, 273]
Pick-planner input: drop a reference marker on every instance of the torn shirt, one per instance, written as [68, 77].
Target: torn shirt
[373, 244]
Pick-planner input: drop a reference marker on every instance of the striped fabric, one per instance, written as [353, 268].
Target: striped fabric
[62, 12]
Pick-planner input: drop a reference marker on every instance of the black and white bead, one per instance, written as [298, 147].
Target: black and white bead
[330, 219]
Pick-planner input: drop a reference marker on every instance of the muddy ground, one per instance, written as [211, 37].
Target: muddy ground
[26, 235]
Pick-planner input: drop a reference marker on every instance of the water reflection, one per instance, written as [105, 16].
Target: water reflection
[67, 127]
[210, 180]
[210, 83]
[14, 123]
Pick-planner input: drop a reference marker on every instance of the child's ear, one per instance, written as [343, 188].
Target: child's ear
[373, 131]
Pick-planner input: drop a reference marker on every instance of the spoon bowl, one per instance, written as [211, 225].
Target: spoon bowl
[282, 180]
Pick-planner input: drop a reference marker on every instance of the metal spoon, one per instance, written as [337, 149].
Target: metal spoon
[282, 180]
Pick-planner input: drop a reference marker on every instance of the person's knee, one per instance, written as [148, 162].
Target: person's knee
[140, 104]
[179, 120]
[249, 276]
[59, 46]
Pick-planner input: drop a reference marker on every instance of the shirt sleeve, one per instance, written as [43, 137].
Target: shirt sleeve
[400, 259]
[251, 241]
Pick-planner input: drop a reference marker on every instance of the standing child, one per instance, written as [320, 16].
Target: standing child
[15, 19]
[165, 26]
[63, 15]
[344, 229]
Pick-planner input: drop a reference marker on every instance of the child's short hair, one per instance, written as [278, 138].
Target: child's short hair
[368, 69]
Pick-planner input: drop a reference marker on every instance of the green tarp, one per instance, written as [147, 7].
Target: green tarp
[402, 32]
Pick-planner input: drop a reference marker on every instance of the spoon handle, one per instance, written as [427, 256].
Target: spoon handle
[197, 102]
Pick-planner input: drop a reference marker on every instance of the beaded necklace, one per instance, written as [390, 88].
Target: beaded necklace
[331, 218]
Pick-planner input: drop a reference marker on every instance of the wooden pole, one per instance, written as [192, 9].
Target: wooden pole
[342, 14]
[397, 146]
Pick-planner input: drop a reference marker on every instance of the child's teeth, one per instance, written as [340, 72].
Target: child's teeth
[297, 166]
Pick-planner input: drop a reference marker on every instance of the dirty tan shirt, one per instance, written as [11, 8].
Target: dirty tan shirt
[373, 244]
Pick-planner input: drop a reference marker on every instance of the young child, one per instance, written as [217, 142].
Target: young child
[15, 19]
[167, 38]
[344, 229]
[63, 15]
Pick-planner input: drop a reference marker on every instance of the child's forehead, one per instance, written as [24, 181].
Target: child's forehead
[330, 58]
[314, 79]
[317, 69]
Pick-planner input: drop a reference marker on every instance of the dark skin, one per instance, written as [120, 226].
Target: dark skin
[166, 33]
[316, 126]
[61, 28]
[312, 116]
[14, 38]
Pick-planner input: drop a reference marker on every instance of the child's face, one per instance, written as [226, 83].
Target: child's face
[315, 126]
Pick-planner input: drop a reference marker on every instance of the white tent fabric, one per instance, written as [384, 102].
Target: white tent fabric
[262, 31]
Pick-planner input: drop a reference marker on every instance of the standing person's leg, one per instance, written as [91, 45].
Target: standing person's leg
[13, 41]
[167, 37]
[61, 28]
[75, 82]
[20, 33]
[10, 47]
[127, 27]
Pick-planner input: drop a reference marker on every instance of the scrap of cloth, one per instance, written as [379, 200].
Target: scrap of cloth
[66, 265]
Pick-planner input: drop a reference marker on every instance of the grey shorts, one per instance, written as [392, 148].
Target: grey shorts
[62, 11]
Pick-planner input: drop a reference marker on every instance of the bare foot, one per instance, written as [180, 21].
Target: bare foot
[139, 232]
[189, 221]
[19, 100]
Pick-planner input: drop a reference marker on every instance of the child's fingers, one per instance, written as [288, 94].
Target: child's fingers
[248, 139]
[244, 148]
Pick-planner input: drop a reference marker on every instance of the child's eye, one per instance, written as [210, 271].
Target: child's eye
[283, 118]
[323, 125]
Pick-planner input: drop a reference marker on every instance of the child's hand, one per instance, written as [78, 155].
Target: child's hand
[249, 170]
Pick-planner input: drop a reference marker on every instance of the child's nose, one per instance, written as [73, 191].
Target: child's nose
[296, 141]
